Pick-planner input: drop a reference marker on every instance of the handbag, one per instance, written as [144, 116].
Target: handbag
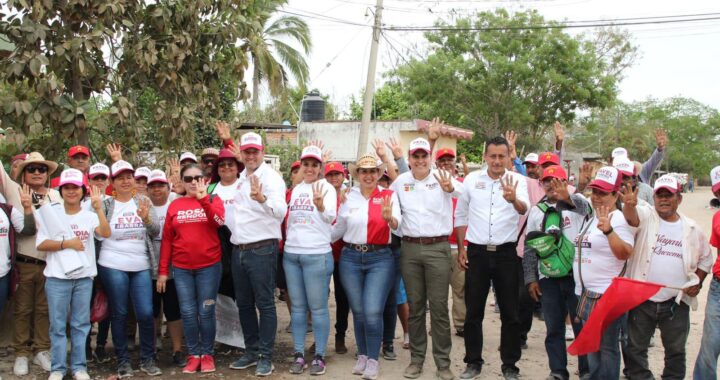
[99, 309]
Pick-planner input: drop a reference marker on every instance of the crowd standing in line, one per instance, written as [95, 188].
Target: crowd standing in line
[395, 243]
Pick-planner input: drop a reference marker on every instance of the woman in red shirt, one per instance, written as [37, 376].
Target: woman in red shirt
[191, 244]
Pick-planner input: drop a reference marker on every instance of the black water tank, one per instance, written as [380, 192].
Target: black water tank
[313, 107]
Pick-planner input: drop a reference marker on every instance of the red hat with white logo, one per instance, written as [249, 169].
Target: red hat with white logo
[548, 157]
[555, 171]
[334, 167]
[121, 166]
[71, 177]
[157, 176]
[607, 179]
[531, 158]
[251, 140]
[444, 152]
[78, 149]
[420, 144]
[624, 166]
[98, 169]
[143, 171]
[667, 182]
[311, 151]
[715, 178]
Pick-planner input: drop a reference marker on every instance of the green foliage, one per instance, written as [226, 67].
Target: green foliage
[388, 104]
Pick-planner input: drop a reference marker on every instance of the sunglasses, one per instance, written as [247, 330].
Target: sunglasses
[99, 178]
[190, 178]
[42, 169]
[226, 164]
[208, 161]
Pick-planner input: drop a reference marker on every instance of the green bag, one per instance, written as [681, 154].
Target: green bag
[555, 252]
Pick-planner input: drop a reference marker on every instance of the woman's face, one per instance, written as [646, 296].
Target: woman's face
[141, 185]
[194, 175]
[335, 179]
[599, 198]
[71, 194]
[310, 169]
[124, 183]
[227, 169]
[368, 178]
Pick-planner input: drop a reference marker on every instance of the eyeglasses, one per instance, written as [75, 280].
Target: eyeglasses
[226, 164]
[99, 178]
[42, 169]
[190, 178]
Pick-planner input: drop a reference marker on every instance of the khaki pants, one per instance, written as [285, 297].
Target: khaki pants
[426, 272]
[457, 283]
[31, 311]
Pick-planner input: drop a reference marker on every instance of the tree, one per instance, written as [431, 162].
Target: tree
[273, 58]
[388, 104]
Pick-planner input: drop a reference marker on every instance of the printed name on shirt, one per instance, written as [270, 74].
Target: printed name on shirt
[84, 236]
[409, 187]
[377, 201]
[4, 231]
[663, 243]
[432, 186]
[191, 216]
[128, 220]
[585, 243]
[302, 203]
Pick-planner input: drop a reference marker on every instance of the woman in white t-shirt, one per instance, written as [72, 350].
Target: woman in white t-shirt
[603, 248]
[69, 291]
[308, 260]
[125, 266]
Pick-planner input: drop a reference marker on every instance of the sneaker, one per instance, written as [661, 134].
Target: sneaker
[569, 333]
[21, 366]
[42, 359]
[298, 365]
[124, 370]
[371, 370]
[340, 347]
[413, 371]
[100, 355]
[510, 374]
[207, 364]
[55, 375]
[193, 364]
[264, 367]
[150, 368]
[472, 371]
[245, 361]
[179, 359]
[388, 352]
[317, 367]
[81, 375]
[445, 374]
[460, 332]
[360, 365]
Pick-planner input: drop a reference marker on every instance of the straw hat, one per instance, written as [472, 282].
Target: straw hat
[36, 158]
[366, 161]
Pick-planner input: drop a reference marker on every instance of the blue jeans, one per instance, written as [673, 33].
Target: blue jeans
[371, 275]
[706, 364]
[390, 312]
[68, 297]
[253, 272]
[137, 286]
[197, 293]
[4, 290]
[308, 280]
[605, 364]
[559, 300]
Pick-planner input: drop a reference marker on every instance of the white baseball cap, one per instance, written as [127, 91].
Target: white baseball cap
[157, 176]
[419, 144]
[607, 179]
[532, 158]
[715, 178]
[619, 152]
[121, 166]
[188, 156]
[624, 165]
[143, 171]
[311, 151]
[98, 169]
[251, 140]
[667, 182]
[71, 177]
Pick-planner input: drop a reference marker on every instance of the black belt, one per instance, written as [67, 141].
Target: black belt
[366, 247]
[257, 244]
[426, 240]
[494, 248]
[29, 260]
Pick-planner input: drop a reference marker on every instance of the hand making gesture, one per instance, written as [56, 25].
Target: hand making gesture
[561, 189]
[660, 139]
[319, 196]
[434, 128]
[395, 148]
[387, 208]
[444, 178]
[96, 199]
[379, 146]
[25, 198]
[256, 189]
[604, 218]
[509, 186]
[114, 151]
[201, 189]
[223, 130]
[511, 138]
[236, 152]
[559, 132]
[143, 209]
[630, 196]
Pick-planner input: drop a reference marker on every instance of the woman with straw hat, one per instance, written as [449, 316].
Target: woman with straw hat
[367, 266]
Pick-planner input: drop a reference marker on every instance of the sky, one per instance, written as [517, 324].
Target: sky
[681, 59]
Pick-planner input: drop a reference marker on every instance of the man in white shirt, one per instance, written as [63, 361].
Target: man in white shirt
[254, 221]
[490, 207]
[426, 202]
[672, 250]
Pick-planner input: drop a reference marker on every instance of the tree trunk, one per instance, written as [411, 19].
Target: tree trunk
[80, 122]
[256, 87]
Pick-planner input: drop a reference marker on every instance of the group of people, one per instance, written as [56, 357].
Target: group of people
[394, 244]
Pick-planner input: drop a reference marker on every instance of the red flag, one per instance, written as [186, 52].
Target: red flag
[621, 296]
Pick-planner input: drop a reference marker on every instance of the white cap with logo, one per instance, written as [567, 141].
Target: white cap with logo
[71, 177]
[311, 151]
[619, 151]
[419, 144]
[251, 140]
[157, 176]
[142, 171]
[188, 156]
[98, 169]
[121, 166]
[667, 182]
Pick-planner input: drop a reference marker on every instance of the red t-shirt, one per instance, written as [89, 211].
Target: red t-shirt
[190, 239]
[715, 242]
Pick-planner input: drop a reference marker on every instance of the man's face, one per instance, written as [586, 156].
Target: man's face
[35, 175]
[158, 192]
[534, 171]
[420, 162]
[446, 162]
[666, 203]
[335, 179]
[497, 158]
[207, 163]
[628, 180]
[80, 162]
[252, 158]
[100, 180]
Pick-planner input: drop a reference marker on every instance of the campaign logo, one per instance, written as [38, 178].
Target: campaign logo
[409, 187]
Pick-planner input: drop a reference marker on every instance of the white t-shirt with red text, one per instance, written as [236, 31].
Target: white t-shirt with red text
[125, 249]
[666, 261]
[83, 225]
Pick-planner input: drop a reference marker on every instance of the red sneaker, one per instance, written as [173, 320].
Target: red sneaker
[193, 364]
[207, 364]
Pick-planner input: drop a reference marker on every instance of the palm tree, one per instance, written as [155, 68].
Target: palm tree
[272, 57]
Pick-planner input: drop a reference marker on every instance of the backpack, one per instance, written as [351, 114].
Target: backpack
[555, 251]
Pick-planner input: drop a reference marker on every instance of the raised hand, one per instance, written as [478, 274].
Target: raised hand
[317, 143]
[114, 151]
[444, 178]
[173, 167]
[560, 188]
[74, 243]
[511, 138]
[604, 218]
[509, 186]
[395, 148]
[318, 196]
[327, 155]
[630, 196]
[143, 209]
[344, 194]
[434, 128]
[223, 130]
[559, 131]
[585, 172]
[201, 189]
[379, 146]
[386, 209]
[96, 198]
[236, 152]
[25, 198]
[660, 138]
[256, 190]
[463, 159]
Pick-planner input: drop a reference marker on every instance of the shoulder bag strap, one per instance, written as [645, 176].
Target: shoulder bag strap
[583, 231]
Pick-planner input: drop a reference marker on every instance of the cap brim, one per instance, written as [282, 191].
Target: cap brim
[157, 180]
[91, 176]
[530, 162]
[122, 171]
[552, 176]
[444, 154]
[668, 188]
[602, 186]
[412, 151]
[313, 156]
[353, 168]
[251, 146]
[76, 183]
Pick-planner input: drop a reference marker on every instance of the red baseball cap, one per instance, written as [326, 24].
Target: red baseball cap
[334, 167]
[295, 165]
[607, 179]
[78, 149]
[555, 171]
[444, 152]
[549, 157]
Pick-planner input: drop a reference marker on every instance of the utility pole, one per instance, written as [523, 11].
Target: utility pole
[370, 84]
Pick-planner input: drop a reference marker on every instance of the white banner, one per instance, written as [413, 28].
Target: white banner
[228, 322]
